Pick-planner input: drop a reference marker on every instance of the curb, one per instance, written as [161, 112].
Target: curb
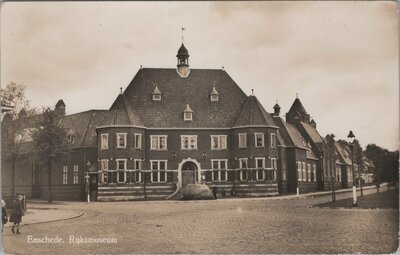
[39, 222]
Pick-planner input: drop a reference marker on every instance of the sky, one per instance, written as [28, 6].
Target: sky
[341, 58]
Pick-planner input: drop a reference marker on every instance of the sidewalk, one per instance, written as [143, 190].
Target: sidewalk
[385, 199]
[42, 215]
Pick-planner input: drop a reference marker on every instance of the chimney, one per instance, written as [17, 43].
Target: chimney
[60, 108]
[313, 124]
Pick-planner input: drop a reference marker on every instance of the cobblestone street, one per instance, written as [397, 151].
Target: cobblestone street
[265, 225]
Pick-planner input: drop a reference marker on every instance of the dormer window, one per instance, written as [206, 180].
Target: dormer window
[214, 95]
[156, 94]
[187, 113]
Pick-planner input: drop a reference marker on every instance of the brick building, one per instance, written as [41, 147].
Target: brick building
[173, 127]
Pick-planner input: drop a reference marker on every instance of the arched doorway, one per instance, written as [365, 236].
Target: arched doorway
[189, 173]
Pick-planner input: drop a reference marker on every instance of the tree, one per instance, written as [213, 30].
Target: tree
[16, 126]
[51, 144]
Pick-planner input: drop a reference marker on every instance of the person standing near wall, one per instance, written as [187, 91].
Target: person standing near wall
[16, 214]
[4, 217]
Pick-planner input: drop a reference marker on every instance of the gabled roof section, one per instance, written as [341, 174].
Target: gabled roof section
[343, 152]
[312, 132]
[214, 91]
[177, 92]
[121, 114]
[254, 114]
[290, 134]
[83, 127]
[297, 106]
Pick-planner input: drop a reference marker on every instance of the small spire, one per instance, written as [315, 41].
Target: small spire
[297, 95]
[140, 66]
[252, 92]
[120, 90]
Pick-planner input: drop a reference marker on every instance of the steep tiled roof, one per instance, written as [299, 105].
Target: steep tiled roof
[82, 126]
[290, 134]
[121, 114]
[343, 152]
[177, 92]
[312, 132]
[297, 106]
[253, 113]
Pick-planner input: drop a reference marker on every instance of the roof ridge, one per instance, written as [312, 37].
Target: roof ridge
[87, 128]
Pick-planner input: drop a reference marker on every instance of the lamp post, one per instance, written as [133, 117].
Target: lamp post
[350, 139]
[87, 181]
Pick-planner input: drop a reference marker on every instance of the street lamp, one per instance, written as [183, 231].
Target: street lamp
[350, 139]
[87, 181]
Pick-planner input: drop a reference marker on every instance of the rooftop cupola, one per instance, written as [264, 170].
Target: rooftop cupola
[60, 107]
[277, 109]
[183, 61]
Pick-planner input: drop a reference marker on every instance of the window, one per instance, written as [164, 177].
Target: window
[121, 140]
[259, 138]
[219, 169]
[243, 169]
[65, 174]
[308, 172]
[299, 173]
[214, 98]
[273, 140]
[218, 142]
[104, 169]
[242, 140]
[273, 163]
[137, 164]
[76, 174]
[187, 116]
[189, 142]
[121, 167]
[158, 142]
[138, 141]
[70, 138]
[260, 165]
[283, 174]
[158, 168]
[315, 173]
[104, 141]
[303, 168]
[156, 97]
[187, 113]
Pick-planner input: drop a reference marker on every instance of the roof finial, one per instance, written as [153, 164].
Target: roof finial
[297, 95]
[120, 90]
[252, 92]
[183, 29]
[277, 101]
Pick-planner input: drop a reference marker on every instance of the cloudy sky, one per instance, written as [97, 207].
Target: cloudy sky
[340, 57]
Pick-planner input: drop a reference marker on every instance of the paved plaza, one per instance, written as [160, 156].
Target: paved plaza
[258, 225]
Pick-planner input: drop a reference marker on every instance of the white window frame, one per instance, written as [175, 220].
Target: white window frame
[241, 163]
[219, 169]
[187, 116]
[262, 140]
[65, 174]
[274, 163]
[214, 98]
[76, 174]
[303, 169]
[189, 137]
[159, 170]
[138, 141]
[119, 171]
[315, 172]
[118, 144]
[309, 172]
[156, 97]
[103, 144]
[220, 145]
[273, 140]
[299, 172]
[258, 168]
[158, 147]
[104, 170]
[137, 161]
[241, 145]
